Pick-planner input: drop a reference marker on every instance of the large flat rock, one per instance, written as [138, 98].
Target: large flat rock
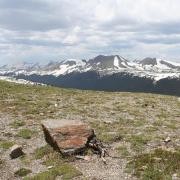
[67, 136]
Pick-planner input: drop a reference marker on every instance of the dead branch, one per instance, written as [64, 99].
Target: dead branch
[99, 148]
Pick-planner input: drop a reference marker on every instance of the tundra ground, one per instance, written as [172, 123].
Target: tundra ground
[134, 127]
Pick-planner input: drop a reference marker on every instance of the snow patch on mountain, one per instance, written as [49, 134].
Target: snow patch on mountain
[158, 77]
[173, 63]
[105, 65]
[160, 65]
[19, 81]
[116, 62]
[62, 69]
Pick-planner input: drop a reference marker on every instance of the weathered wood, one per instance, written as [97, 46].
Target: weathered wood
[99, 148]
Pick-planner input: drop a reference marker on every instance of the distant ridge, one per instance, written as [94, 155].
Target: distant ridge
[111, 73]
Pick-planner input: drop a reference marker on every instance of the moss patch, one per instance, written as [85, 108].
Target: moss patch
[17, 123]
[54, 159]
[138, 141]
[123, 151]
[6, 144]
[22, 172]
[25, 133]
[156, 165]
[1, 162]
[42, 151]
[26, 160]
[107, 132]
[60, 165]
[66, 171]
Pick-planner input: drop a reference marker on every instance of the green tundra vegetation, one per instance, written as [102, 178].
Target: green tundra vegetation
[134, 124]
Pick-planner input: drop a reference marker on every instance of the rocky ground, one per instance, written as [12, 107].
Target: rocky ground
[134, 127]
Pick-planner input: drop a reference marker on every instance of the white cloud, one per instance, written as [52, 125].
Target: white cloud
[70, 39]
[45, 30]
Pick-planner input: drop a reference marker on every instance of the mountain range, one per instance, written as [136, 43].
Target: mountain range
[109, 73]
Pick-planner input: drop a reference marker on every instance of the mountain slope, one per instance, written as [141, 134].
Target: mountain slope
[112, 73]
[101, 63]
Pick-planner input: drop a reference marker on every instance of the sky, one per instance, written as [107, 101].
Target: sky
[46, 30]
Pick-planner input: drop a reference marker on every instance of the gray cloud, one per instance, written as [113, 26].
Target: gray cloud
[45, 29]
[31, 15]
[19, 4]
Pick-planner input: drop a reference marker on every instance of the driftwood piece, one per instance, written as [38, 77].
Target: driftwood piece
[99, 148]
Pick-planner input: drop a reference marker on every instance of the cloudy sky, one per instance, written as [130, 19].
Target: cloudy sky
[44, 30]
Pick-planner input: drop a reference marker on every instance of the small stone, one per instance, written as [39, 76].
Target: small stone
[86, 158]
[168, 139]
[50, 167]
[157, 159]
[108, 122]
[175, 177]
[144, 167]
[16, 151]
[179, 99]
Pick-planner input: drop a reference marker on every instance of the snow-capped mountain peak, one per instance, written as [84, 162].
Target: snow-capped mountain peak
[64, 67]
[148, 67]
[113, 62]
[156, 64]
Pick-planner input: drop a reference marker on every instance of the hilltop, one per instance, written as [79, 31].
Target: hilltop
[134, 126]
